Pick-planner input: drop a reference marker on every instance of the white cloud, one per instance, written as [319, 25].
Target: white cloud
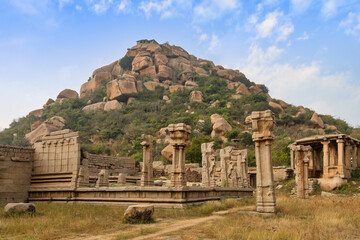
[300, 6]
[275, 24]
[214, 43]
[63, 2]
[156, 6]
[32, 7]
[305, 36]
[123, 6]
[212, 9]
[351, 24]
[203, 37]
[303, 84]
[101, 6]
[77, 7]
[329, 8]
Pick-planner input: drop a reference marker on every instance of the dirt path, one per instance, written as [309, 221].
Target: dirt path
[162, 227]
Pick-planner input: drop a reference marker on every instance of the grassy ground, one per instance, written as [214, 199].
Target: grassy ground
[315, 218]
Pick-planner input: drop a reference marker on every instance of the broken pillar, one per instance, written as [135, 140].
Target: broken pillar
[147, 172]
[208, 164]
[262, 124]
[302, 157]
[179, 135]
[103, 178]
[121, 179]
[225, 157]
[242, 167]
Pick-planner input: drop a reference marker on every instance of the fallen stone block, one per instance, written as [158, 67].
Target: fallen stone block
[19, 208]
[140, 213]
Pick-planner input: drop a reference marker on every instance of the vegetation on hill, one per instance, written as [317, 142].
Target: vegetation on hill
[117, 132]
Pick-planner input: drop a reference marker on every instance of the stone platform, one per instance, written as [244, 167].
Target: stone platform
[167, 197]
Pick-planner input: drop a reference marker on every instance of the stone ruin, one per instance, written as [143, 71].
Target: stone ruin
[324, 159]
[208, 164]
[262, 125]
[147, 173]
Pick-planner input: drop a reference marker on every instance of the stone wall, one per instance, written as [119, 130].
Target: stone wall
[113, 164]
[15, 173]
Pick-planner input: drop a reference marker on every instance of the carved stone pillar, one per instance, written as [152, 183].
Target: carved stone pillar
[318, 159]
[341, 157]
[262, 126]
[179, 134]
[292, 156]
[311, 164]
[333, 155]
[325, 158]
[225, 157]
[103, 178]
[147, 173]
[242, 168]
[354, 156]
[208, 164]
[303, 155]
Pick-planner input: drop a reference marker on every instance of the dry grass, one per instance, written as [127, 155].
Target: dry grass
[317, 218]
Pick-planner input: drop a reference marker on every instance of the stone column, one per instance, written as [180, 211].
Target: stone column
[333, 153]
[103, 178]
[262, 126]
[347, 155]
[311, 164]
[325, 158]
[147, 173]
[354, 156]
[225, 157]
[341, 157]
[292, 156]
[303, 155]
[208, 164]
[179, 134]
[242, 163]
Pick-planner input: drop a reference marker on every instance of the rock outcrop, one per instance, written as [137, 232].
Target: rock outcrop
[19, 208]
[96, 107]
[114, 104]
[139, 212]
[122, 89]
[317, 120]
[196, 96]
[67, 93]
[53, 124]
[220, 126]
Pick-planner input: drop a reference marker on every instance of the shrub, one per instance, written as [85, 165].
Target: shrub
[243, 80]
[126, 63]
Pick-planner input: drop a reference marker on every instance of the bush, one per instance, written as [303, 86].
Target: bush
[126, 63]
[243, 80]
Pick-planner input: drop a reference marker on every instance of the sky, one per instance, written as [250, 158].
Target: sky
[306, 52]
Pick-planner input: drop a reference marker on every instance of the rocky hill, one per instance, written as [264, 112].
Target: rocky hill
[154, 85]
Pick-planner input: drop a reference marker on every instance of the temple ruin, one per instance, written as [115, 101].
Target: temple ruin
[262, 125]
[147, 173]
[208, 164]
[328, 158]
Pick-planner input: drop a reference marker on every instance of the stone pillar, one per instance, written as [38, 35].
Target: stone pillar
[103, 178]
[262, 126]
[121, 179]
[147, 172]
[242, 166]
[341, 157]
[292, 156]
[325, 158]
[225, 157]
[208, 164]
[179, 134]
[303, 155]
[318, 159]
[347, 155]
[354, 156]
[333, 155]
[311, 164]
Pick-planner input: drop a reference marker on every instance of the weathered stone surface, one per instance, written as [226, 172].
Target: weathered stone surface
[204, 61]
[114, 104]
[196, 96]
[166, 98]
[35, 125]
[36, 113]
[95, 83]
[165, 73]
[220, 126]
[121, 90]
[255, 89]
[327, 194]
[19, 208]
[275, 105]
[149, 71]
[242, 89]
[96, 107]
[317, 120]
[302, 111]
[176, 88]
[236, 96]
[283, 104]
[167, 153]
[200, 71]
[328, 184]
[67, 93]
[139, 212]
[107, 68]
[49, 102]
[117, 70]
[50, 125]
[130, 99]
[140, 62]
[151, 85]
[160, 59]
[191, 84]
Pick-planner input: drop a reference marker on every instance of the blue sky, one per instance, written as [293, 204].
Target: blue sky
[307, 52]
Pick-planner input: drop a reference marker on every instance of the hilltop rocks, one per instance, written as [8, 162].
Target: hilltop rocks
[141, 61]
[317, 120]
[196, 96]
[67, 93]
[191, 85]
[176, 88]
[167, 153]
[114, 104]
[55, 123]
[96, 107]
[220, 126]
[151, 85]
[276, 105]
[95, 83]
[107, 68]
[165, 73]
[49, 102]
[121, 90]
[242, 89]
[35, 125]
[36, 113]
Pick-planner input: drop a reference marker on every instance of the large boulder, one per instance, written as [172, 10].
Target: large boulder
[114, 104]
[53, 124]
[149, 71]
[19, 208]
[67, 93]
[317, 120]
[95, 83]
[160, 59]
[35, 125]
[151, 85]
[96, 107]
[176, 88]
[165, 73]
[49, 102]
[276, 105]
[36, 113]
[220, 126]
[200, 71]
[328, 184]
[141, 61]
[196, 96]
[167, 153]
[107, 68]
[139, 212]
[242, 89]
[121, 90]
[191, 84]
